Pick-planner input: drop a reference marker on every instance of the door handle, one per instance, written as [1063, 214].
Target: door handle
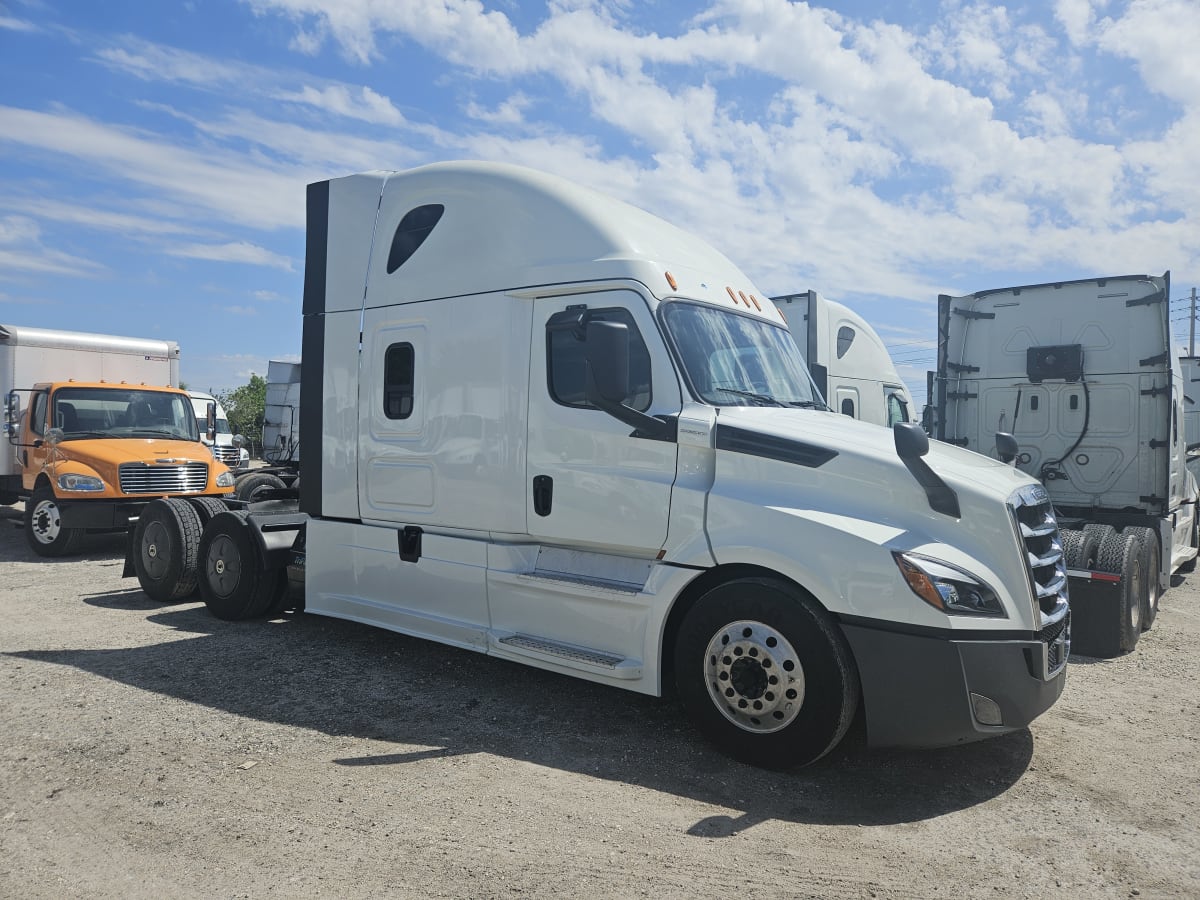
[543, 494]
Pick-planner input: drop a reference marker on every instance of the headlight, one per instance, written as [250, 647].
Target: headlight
[225, 479]
[948, 587]
[72, 482]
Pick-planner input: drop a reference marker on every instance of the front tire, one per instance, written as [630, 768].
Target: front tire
[44, 531]
[765, 673]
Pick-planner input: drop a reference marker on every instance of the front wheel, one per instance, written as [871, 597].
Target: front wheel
[765, 673]
[44, 530]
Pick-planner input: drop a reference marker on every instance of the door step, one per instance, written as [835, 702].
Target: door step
[568, 654]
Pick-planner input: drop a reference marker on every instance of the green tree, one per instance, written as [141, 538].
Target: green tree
[246, 406]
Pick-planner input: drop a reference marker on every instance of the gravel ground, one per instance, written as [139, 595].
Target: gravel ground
[155, 751]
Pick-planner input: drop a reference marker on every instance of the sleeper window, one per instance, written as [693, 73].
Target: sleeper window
[565, 367]
[398, 381]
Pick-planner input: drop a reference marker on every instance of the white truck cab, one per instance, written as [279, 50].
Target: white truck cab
[225, 446]
[545, 425]
[847, 359]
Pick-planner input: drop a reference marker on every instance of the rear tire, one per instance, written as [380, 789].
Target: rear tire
[1121, 554]
[765, 673]
[208, 508]
[249, 487]
[233, 582]
[165, 544]
[1080, 548]
[44, 530]
[1151, 556]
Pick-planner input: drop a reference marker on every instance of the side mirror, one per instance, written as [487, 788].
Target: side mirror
[606, 349]
[911, 441]
[212, 422]
[238, 440]
[1006, 446]
[54, 436]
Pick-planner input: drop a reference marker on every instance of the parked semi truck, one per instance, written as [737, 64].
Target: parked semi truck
[95, 429]
[281, 437]
[217, 435]
[1084, 376]
[560, 431]
[847, 359]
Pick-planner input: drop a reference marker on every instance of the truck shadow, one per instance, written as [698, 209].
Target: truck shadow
[341, 678]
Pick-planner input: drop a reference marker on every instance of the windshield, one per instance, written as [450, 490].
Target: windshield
[122, 413]
[735, 360]
[222, 425]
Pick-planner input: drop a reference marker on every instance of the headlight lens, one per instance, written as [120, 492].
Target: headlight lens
[73, 482]
[225, 479]
[948, 587]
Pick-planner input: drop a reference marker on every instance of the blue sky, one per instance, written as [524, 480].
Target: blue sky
[153, 155]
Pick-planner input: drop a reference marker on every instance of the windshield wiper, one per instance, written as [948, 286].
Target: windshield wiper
[807, 404]
[761, 399]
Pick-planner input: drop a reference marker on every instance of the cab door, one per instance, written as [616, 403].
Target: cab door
[591, 484]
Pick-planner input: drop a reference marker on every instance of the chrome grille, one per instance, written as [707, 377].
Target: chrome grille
[1044, 557]
[226, 454]
[139, 478]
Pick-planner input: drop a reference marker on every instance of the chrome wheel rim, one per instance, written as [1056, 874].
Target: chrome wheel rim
[754, 676]
[46, 522]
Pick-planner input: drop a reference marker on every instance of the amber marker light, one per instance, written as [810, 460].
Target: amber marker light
[919, 582]
[671, 281]
[755, 301]
[732, 295]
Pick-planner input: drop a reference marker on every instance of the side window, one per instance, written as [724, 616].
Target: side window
[897, 409]
[848, 407]
[398, 381]
[37, 413]
[566, 370]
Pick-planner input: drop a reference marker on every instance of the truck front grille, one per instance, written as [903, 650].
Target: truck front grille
[1044, 558]
[227, 455]
[139, 478]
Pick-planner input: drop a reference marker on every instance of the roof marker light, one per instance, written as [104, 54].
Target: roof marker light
[732, 295]
[671, 281]
[756, 306]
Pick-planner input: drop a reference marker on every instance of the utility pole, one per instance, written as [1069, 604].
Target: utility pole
[1192, 341]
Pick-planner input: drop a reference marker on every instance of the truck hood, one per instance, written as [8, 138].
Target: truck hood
[152, 451]
[866, 443]
[832, 494]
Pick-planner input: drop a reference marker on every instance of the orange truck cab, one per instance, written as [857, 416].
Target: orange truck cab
[91, 455]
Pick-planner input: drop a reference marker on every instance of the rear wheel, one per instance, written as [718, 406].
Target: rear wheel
[250, 487]
[44, 530]
[165, 545]
[208, 507]
[765, 673]
[1080, 548]
[1121, 554]
[1150, 555]
[233, 581]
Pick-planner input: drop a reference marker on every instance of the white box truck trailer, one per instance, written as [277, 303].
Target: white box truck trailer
[537, 436]
[1084, 376]
[847, 359]
[96, 427]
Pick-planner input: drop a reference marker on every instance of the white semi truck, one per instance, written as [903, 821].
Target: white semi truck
[1083, 375]
[224, 444]
[547, 426]
[847, 359]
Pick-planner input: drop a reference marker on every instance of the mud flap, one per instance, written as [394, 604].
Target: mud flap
[129, 571]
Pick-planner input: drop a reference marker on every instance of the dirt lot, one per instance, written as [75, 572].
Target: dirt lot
[155, 751]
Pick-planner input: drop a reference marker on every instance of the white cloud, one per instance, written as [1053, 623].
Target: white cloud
[361, 103]
[8, 23]
[234, 251]
[22, 250]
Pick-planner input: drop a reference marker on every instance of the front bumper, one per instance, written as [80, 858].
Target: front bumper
[917, 687]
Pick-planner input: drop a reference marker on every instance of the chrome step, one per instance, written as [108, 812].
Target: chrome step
[562, 651]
